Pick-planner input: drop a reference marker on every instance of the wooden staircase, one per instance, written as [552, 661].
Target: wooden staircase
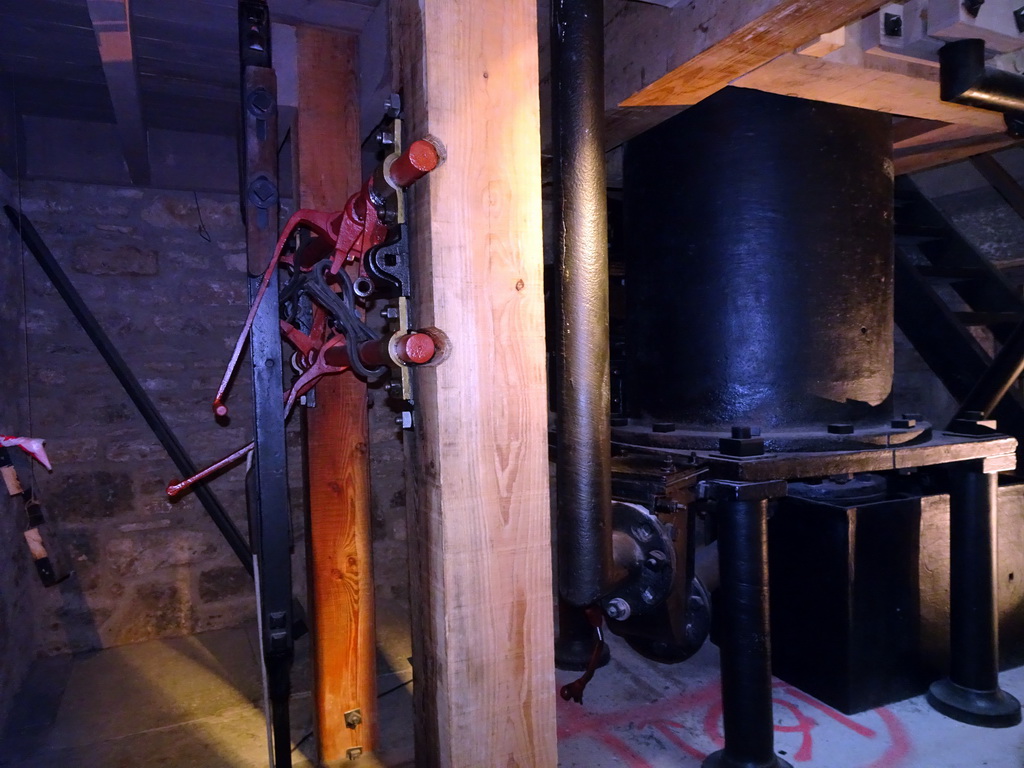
[944, 287]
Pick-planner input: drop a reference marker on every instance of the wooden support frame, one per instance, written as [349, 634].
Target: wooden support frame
[483, 619]
[111, 21]
[338, 537]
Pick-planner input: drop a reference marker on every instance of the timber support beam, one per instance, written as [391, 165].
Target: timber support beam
[483, 635]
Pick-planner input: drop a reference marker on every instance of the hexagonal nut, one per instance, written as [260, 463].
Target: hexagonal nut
[617, 609]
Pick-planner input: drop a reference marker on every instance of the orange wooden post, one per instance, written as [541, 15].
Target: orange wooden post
[338, 531]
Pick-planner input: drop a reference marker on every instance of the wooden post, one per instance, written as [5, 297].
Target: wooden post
[338, 532]
[483, 634]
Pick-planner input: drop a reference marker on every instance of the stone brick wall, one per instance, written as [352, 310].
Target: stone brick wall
[17, 630]
[173, 303]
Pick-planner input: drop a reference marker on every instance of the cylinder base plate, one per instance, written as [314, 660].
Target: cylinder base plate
[989, 709]
[720, 760]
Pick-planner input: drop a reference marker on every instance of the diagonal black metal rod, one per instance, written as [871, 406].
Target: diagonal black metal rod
[991, 388]
[127, 379]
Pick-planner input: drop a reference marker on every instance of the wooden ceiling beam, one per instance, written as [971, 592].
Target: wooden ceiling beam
[111, 22]
[879, 85]
[659, 56]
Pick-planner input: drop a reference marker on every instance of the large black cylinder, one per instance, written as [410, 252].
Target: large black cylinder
[759, 265]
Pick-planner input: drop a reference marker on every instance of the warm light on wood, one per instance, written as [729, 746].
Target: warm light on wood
[483, 634]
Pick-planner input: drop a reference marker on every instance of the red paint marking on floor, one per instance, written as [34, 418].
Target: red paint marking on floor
[623, 751]
[576, 720]
[901, 746]
[660, 716]
[713, 724]
[839, 717]
[676, 739]
[804, 725]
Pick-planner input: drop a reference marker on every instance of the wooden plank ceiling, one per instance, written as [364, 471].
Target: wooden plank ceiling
[185, 57]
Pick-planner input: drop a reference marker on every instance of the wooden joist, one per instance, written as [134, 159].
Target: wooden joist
[338, 538]
[881, 89]
[659, 56]
[483, 602]
[111, 23]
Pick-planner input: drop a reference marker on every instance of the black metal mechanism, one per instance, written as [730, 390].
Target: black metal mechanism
[584, 447]
[964, 79]
[971, 693]
[127, 379]
[269, 515]
[767, 362]
[659, 606]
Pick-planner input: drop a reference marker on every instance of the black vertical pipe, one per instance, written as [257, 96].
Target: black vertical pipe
[974, 658]
[584, 402]
[971, 693]
[747, 721]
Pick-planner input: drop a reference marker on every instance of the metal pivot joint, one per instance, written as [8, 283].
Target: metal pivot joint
[971, 693]
[747, 721]
[329, 264]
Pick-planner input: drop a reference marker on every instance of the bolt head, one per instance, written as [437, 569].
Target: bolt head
[656, 560]
[840, 429]
[617, 609]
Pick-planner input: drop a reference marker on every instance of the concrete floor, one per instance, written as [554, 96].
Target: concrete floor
[194, 703]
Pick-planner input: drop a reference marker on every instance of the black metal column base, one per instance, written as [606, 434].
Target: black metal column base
[573, 655]
[989, 709]
[721, 760]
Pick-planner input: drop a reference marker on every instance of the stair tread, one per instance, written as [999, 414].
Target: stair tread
[989, 318]
[952, 272]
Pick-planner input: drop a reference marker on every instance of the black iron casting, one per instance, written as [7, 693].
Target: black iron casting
[759, 268]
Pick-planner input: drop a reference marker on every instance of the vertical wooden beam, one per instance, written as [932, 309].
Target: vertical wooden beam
[111, 21]
[338, 532]
[483, 649]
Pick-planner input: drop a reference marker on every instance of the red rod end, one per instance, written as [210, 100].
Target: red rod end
[419, 159]
[417, 348]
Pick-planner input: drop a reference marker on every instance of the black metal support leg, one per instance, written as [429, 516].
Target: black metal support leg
[748, 723]
[971, 693]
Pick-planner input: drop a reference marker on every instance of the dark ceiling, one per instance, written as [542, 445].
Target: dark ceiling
[185, 54]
